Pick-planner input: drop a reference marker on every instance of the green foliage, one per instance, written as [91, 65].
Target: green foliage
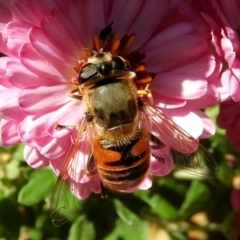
[39, 186]
[176, 207]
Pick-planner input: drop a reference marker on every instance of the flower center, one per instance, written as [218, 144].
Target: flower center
[108, 41]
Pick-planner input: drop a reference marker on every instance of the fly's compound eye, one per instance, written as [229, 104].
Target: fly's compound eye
[105, 69]
[119, 64]
[88, 72]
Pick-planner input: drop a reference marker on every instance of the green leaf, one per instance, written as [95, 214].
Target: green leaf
[12, 169]
[164, 208]
[177, 235]
[126, 214]
[129, 207]
[82, 229]
[212, 112]
[9, 215]
[137, 230]
[166, 197]
[18, 152]
[40, 185]
[30, 233]
[197, 197]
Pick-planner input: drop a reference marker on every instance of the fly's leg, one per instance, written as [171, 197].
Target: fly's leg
[75, 94]
[59, 127]
[103, 191]
[87, 116]
[156, 143]
[91, 168]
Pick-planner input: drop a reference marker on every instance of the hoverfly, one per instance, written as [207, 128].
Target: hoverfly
[123, 132]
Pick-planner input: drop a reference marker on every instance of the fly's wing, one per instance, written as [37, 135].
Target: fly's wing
[186, 152]
[63, 201]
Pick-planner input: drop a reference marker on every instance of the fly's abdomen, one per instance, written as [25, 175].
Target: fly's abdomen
[124, 167]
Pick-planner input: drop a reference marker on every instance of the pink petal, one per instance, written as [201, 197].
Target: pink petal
[20, 77]
[3, 67]
[44, 7]
[148, 19]
[5, 13]
[183, 50]
[183, 86]
[228, 108]
[37, 64]
[68, 115]
[10, 109]
[211, 97]
[79, 190]
[167, 102]
[77, 165]
[236, 69]
[233, 132]
[203, 67]
[32, 128]
[34, 158]
[54, 148]
[145, 184]
[3, 48]
[126, 14]
[161, 168]
[94, 184]
[229, 53]
[46, 98]
[209, 128]
[48, 50]
[170, 33]
[55, 27]
[81, 162]
[24, 11]
[84, 15]
[187, 120]
[76, 169]
[15, 35]
[57, 163]
[9, 135]
[231, 83]
[229, 12]
[223, 94]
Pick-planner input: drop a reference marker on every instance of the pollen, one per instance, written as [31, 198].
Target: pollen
[108, 41]
[129, 42]
[143, 80]
[115, 45]
[140, 68]
[97, 43]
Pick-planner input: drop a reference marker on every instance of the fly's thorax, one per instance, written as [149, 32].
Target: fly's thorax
[113, 105]
[100, 57]
[121, 135]
[120, 131]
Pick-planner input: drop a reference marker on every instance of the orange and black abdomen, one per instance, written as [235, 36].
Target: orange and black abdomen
[123, 167]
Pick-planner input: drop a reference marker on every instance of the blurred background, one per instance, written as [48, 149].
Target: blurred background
[178, 206]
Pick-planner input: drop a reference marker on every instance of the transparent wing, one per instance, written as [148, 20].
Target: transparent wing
[63, 201]
[186, 152]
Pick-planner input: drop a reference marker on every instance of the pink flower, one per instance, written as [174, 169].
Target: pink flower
[44, 43]
[228, 119]
[224, 18]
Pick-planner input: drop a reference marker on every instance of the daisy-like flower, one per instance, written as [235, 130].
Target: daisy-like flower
[228, 119]
[45, 44]
[224, 18]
